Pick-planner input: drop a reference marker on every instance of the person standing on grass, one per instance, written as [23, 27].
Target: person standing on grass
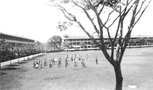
[67, 56]
[37, 64]
[34, 63]
[53, 61]
[41, 64]
[75, 63]
[96, 60]
[87, 57]
[83, 63]
[75, 57]
[66, 62]
[59, 62]
[79, 58]
[45, 62]
[72, 58]
[50, 63]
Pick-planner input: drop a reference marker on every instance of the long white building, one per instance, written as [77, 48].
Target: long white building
[77, 41]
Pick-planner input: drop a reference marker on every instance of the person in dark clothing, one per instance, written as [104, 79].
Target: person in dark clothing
[66, 62]
[59, 62]
[96, 60]
[75, 63]
[34, 64]
[83, 63]
[50, 63]
[45, 62]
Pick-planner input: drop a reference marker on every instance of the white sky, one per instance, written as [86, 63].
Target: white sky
[36, 20]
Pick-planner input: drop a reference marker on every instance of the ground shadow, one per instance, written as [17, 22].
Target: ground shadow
[54, 78]
[77, 69]
[23, 62]
[30, 59]
[2, 73]
[14, 65]
[9, 68]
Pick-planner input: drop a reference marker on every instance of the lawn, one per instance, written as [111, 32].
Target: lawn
[137, 69]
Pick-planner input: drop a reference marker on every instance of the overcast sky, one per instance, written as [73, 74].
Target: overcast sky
[36, 20]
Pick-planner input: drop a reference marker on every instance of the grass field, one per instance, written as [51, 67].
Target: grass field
[137, 69]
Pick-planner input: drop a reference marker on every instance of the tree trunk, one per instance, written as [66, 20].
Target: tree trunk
[119, 78]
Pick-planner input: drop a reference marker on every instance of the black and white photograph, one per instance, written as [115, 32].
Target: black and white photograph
[76, 45]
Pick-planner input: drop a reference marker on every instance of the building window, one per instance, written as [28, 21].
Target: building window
[74, 43]
[89, 46]
[89, 42]
[78, 43]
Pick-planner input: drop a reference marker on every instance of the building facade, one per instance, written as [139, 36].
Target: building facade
[15, 39]
[79, 42]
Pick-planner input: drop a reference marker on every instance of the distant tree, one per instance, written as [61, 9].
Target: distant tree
[105, 15]
[39, 47]
[149, 41]
[6, 51]
[140, 41]
[131, 42]
[2, 49]
[17, 51]
[143, 41]
[68, 44]
[55, 41]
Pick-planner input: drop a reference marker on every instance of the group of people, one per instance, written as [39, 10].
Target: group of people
[58, 61]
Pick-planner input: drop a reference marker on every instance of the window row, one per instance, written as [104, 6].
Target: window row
[14, 38]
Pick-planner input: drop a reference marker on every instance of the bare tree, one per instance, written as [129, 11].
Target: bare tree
[121, 15]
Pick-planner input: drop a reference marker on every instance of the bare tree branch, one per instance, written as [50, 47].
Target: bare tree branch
[125, 42]
[141, 14]
[140, 8]
[87, 14]
[88, 33]
[73, 18]
[109, 17]
[122, 13]
[101, 8]
[101, 25]
[132, 24]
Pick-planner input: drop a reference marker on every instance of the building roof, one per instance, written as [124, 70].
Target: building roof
[16, 36]
[78, 37]
[105, 36]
